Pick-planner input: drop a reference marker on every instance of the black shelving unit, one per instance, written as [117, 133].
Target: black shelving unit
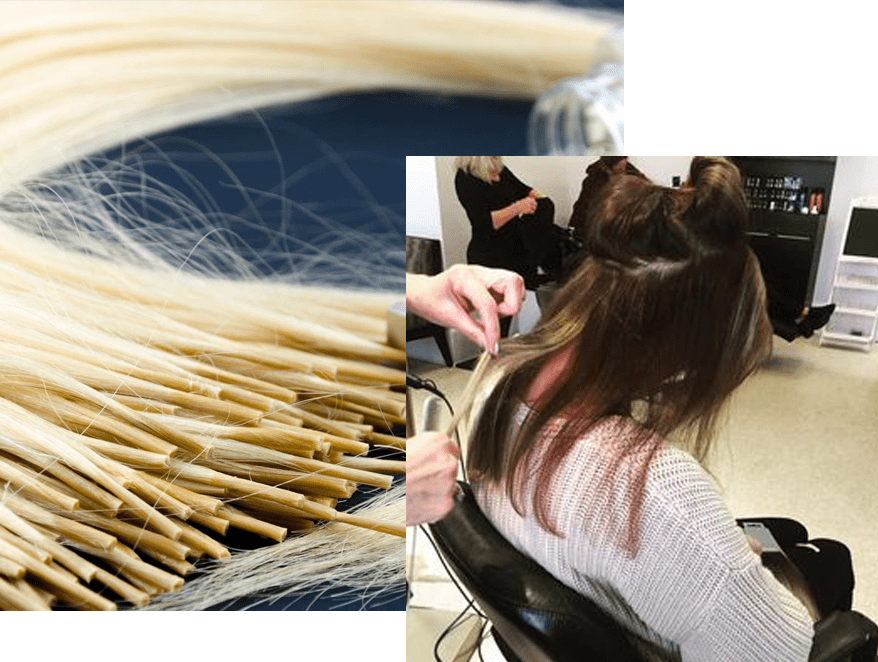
[786, 240]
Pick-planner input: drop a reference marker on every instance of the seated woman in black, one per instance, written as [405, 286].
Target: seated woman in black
[512, 223]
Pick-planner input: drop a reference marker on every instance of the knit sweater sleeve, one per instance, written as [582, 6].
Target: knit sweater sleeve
[699, 584]
[751, 618]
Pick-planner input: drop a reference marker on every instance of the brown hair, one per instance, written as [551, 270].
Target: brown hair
[597, 176]
[663, 319]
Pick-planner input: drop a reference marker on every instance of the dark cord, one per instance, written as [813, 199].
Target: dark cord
[419, 383]
[470, 602]
[458, 620]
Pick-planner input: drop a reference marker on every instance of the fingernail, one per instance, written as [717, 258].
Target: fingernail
[496, 348]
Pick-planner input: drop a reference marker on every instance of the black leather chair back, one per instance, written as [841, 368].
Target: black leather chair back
[422, 256]
[536, 618]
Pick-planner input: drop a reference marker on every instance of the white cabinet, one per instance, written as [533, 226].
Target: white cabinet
[855, 289]
[855, 294]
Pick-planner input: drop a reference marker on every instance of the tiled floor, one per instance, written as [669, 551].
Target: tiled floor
[801, 440]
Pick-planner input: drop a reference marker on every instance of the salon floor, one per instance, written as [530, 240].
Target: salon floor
[801, 441]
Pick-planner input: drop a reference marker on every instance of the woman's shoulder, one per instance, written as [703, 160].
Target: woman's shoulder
[508, 178]
[468, 184]
[466, 177]
[681, 482]
[680, 497]
[690, 500]
[673, 467]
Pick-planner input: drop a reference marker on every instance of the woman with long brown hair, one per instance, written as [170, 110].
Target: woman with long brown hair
[586, 446]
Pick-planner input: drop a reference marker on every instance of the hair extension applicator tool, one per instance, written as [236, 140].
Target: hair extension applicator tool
[430, 415]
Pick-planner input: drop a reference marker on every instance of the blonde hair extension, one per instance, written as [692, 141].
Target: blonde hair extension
[148, 409]
[302, 564]
[160, 390]
[78, 77]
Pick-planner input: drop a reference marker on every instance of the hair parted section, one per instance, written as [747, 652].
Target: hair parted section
[662, 320]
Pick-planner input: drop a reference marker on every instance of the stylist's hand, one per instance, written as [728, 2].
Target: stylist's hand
[454, 297]
[431, 477]
[527, 205]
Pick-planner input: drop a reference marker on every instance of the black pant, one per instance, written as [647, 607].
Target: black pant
[539, 240]
[522, 245]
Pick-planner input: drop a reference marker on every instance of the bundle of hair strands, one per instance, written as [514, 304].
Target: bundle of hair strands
[146, 411]
[149, 405]
[78, 77]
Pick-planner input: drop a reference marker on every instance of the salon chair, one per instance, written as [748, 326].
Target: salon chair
[536, 618]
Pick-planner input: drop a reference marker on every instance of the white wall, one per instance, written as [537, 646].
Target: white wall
[855, 176]
[660, 169]
[421, 198]
[455, 227]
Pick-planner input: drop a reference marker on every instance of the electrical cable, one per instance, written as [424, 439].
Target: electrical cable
[470, 602]
[458, 621]
[420, 383]
[413, 381]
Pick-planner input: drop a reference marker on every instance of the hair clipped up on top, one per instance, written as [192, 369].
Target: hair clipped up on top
[719, 212]
[653, 222]
[662, 320]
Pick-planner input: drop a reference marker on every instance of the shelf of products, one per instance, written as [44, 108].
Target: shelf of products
[788, 197]
[786, 193]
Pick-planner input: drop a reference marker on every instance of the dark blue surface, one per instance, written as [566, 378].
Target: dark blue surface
[400, 123]
[265, 176]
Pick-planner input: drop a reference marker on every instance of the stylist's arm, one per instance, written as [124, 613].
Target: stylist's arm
[470, 299]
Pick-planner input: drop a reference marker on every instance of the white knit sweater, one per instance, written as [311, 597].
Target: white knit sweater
[695, 589]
